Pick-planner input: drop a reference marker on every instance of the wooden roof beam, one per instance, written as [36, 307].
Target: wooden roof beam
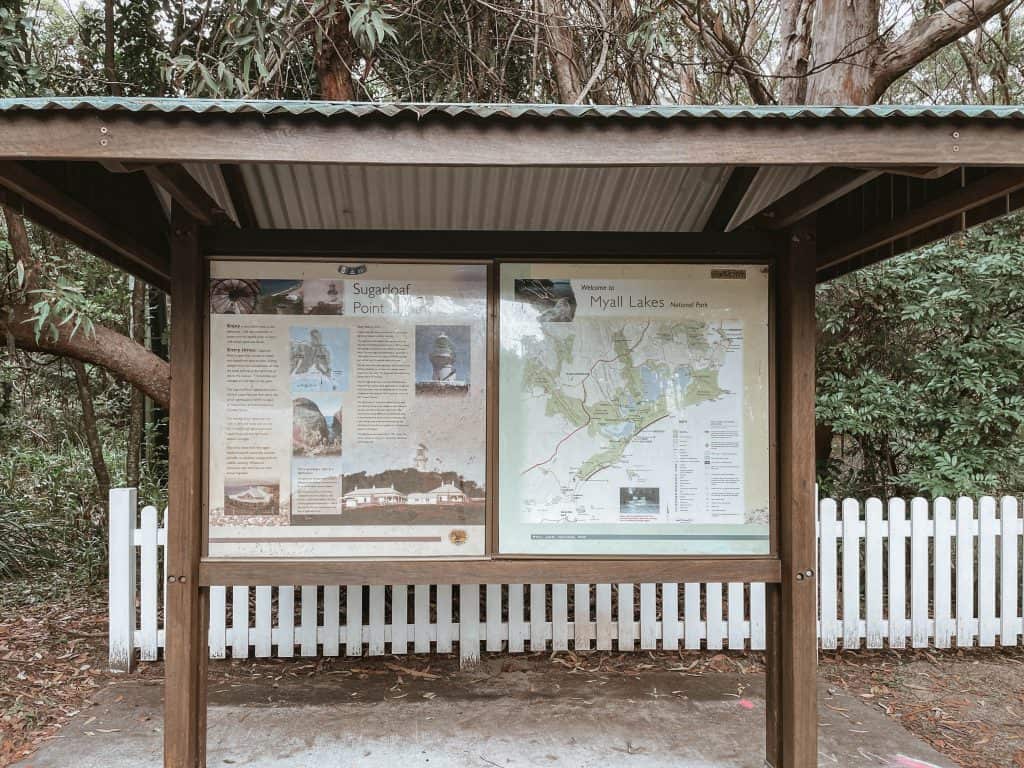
[158, 137]
[52, 208]
[183, 188]
[63, 229]
[729, 199]
[994, 185]
[816, 193]
[464, 243]
[919, 171]
[240, 199]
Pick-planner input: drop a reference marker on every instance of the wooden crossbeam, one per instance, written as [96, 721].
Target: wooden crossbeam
[187, 192]
[730, 198]
[812, 195]
[919, 171]
[52, 208]
[66, 231]
[498, 571]
[232, 173]
[990, 187]
[365, 243]
[154, 137]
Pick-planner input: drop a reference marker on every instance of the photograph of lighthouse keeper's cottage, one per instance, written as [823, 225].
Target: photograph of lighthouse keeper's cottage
[411, 496]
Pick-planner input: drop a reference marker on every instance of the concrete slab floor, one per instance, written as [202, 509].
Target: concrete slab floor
[483, 718]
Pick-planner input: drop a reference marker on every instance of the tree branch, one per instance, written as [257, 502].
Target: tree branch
[708, 26]
[795, 50]
[106, 348]
[17, 236]
[928, 34]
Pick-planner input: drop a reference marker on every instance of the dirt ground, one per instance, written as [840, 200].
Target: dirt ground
[968, 705]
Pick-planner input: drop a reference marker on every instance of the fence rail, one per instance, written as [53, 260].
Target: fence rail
[948, 573]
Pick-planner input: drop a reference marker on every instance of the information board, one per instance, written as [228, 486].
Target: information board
[347, 409]
[633, 409]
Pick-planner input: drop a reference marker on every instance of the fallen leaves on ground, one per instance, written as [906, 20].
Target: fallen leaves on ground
[52, 657]
[966, 703]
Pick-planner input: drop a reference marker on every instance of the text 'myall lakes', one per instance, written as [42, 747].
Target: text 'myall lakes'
[634, 302]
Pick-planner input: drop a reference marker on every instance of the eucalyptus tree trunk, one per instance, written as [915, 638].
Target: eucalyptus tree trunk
[795, 25]
[91, 433]
[851, 63]
[334, 60]
[553, 19]
[482, 80]
[688, 93]
[109, 67]
[844, 46]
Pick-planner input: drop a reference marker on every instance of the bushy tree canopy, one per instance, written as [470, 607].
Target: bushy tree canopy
[921, 370]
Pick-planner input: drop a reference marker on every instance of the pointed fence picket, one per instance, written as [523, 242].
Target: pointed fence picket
[940, 575]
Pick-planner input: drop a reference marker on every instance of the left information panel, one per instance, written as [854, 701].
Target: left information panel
[347, 409]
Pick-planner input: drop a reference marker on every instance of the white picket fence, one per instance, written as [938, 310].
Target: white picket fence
[962, 574]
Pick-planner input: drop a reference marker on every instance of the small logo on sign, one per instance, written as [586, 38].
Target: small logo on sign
[728, 274]
[458, 536]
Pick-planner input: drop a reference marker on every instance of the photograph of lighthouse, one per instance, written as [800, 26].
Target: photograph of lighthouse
[442, 359]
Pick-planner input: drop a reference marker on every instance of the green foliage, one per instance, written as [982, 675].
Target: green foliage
[59, 305]
[17, 73]
[370, 23]
[50, 48]
[48, 516]
[51, 515]
[267, 48]
[921, 370]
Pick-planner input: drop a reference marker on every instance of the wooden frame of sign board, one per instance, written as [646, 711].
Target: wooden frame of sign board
[789, 568]
[637, 258]
[489, 424]
[249, 570]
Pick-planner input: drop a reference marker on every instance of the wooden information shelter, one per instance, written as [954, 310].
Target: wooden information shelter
[163, 187]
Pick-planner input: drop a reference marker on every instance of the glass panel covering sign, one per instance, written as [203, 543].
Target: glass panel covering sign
[347, 409]
[633, 409]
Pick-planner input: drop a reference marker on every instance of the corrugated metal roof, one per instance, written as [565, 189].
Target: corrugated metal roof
[648, 199]
[392, 109]
[624, 199]
[642, 198]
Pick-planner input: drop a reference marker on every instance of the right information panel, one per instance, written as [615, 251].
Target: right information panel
[634, 409]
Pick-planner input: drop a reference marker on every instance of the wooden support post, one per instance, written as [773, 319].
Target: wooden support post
[187, 601]
[792, 716]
